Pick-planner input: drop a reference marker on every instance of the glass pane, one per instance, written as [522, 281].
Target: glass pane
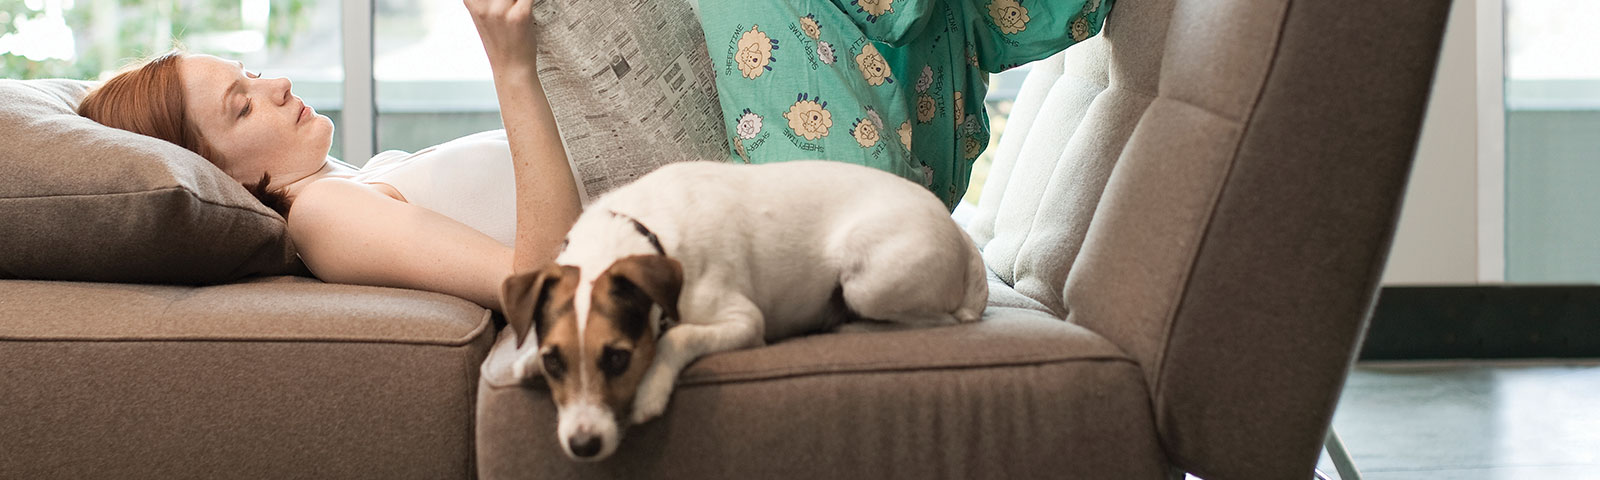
[89, 39]
[1552, 149]
[433, 78]
[1003, 88]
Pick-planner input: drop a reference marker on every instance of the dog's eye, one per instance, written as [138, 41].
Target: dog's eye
[614, 361]
[554, 368]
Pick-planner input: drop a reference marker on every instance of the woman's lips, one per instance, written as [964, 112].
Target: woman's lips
[305, 112]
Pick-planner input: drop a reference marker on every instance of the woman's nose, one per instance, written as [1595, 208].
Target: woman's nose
[282, 87]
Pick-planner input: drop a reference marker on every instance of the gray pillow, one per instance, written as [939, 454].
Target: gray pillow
[82, 201]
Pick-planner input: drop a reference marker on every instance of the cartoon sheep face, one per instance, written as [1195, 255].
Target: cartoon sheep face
[809, 117]
[1080, 29]
[874, 8]
[926, 109]
[865, 132]
[970, 148]
[810, 26]
[755, 53]
[749, 125]
[825, 52]
[873, 67]
[1009, 15]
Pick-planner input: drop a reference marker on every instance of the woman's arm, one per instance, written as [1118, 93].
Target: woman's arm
[349, 233]
[547, 195]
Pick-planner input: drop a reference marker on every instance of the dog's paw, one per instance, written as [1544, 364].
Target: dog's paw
[650, 400]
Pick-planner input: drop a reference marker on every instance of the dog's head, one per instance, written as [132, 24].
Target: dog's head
[596, 337]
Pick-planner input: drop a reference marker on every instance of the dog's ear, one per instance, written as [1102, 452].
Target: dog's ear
[659, 277]
[522, 299]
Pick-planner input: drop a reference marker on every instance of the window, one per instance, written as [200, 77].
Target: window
[1003, 89]
[1552, 100]
[91, 39]
[433, 82]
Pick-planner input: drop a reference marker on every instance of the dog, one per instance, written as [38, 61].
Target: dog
[703, 257]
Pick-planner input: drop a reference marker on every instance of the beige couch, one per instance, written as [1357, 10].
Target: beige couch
[1186, 222]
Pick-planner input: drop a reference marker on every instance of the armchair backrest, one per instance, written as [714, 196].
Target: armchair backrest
[1214, 185]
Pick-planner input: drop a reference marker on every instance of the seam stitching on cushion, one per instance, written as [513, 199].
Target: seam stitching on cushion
[888, 367]
[474, 369]
[871, 367]
[482, 324]
[1158, 386]
[436, 343]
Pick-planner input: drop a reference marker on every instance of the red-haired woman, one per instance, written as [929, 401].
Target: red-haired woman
[425, 221]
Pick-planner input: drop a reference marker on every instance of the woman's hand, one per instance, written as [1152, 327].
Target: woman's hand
[547, 194]
[508, 33]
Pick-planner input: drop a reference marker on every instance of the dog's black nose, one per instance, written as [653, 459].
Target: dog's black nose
[584, 446]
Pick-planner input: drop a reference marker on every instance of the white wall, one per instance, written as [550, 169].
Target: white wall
[1437, 241]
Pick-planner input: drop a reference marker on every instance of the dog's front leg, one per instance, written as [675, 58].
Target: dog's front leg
[681, 345]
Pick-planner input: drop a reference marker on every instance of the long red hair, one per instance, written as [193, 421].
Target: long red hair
[148, 99]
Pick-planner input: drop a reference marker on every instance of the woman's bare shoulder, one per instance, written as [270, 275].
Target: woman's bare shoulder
[331, 200]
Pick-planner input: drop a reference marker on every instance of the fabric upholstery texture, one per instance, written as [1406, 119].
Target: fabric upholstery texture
[283, 377]
[1018, 395]
[82, 201]
[1213, 186]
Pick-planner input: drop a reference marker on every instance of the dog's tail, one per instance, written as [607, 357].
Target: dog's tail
[977, 297]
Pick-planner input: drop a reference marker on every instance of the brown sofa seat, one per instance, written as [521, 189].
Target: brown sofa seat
[1001, 398]
[270, 378]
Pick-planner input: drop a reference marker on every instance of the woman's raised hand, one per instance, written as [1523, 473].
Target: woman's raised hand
[508, 33]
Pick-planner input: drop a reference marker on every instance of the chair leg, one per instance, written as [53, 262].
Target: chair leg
[1341, 457]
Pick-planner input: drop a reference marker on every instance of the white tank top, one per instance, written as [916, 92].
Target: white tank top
[469, 179]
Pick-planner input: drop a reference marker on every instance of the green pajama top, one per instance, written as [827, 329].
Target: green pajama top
[896, 85]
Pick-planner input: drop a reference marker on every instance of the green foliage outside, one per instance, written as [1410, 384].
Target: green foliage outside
[142, 28]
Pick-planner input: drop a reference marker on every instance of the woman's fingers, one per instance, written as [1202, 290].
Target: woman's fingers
[507, 30]
[488, 8]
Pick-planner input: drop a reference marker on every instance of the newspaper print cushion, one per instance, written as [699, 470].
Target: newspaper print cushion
[631, 87]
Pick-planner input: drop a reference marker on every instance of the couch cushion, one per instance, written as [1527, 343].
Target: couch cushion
[1020, 394]
[282, 377]
[82, 201]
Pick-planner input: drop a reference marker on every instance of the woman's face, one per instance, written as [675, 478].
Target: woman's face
[256, 124]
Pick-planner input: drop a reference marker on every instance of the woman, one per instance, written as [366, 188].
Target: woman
[351, 226]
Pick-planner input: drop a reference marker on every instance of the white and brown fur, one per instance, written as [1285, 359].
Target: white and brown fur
[735, 256]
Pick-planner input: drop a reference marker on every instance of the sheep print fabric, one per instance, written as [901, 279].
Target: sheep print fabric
[896, 85]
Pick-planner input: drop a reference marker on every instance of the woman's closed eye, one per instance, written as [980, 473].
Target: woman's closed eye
[246, 109]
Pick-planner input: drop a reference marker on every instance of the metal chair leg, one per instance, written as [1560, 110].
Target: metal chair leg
[1341, 457]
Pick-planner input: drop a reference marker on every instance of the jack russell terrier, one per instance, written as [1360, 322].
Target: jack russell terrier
[704, 257]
